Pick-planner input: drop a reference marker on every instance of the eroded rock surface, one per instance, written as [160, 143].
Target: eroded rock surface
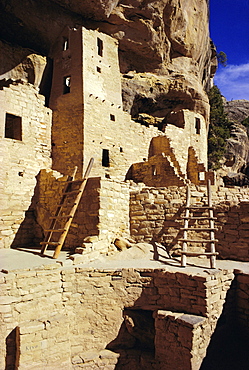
[164, 46]
[237, 110]
[235, 170]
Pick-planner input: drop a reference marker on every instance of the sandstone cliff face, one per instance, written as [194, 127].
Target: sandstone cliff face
[235, 169]
[164, 46]
[237, 110]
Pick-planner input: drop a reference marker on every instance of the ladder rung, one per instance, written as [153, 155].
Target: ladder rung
[199, 207]
[72, 192]
[50, 243]
[69, 204]
[199, 254]
[64, 202]
[199, 218]
[73, 181]
[66, 216]
[198, 241]
[55, 230]
[199, 228]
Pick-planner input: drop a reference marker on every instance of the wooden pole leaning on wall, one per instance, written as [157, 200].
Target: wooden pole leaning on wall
[73, 209]
[52, 227]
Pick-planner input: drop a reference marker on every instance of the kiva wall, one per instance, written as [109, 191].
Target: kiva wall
[76, 313]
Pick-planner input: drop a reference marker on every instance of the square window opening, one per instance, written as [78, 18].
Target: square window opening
[98, 69]
[105, 158]
[201, 176]
[66, 84]
[100, 46]
[112, 117]
[13, 127]
[198, 126]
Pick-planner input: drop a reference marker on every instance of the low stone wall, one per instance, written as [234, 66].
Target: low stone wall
[156, 214]
[181, 340]
[50, 315]
[103, 210]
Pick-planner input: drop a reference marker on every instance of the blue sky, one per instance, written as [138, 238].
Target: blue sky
[229, 30]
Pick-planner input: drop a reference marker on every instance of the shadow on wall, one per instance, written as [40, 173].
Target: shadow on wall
[170, 233]
[29, 233]
[228, 348]
[140, 343]
[233, 230]
[135, 340]
[11, 358]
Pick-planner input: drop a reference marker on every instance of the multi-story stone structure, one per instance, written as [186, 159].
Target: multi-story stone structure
[71, 317]
[88, 119]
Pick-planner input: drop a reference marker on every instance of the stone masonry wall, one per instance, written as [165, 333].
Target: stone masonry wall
[67, 103]
[156, 215]
[106, 126]
[49, 315]
[242, 299]
[176, 334]
[183, 138]
[103, 210]
[88, 119]
[125, 140]
[21, 160]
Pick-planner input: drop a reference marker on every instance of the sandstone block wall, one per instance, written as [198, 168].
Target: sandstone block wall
[156, 215]
[181, 340]
[100, 68]
[67, 103]
[192, 134]
[157, 171]
[125, 141]
[242, 302]
[56, 314]
[103, 211]
[88, 120]
[21, 160]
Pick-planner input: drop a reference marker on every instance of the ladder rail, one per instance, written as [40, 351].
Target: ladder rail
[58, 211]
[211, 224]
[211, 229]
[185, 232]
[73, 210]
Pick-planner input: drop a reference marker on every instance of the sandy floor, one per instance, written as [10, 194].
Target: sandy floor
[27, 259]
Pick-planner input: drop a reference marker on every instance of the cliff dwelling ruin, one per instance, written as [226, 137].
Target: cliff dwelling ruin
[117, 296]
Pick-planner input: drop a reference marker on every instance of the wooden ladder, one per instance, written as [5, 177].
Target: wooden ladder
[210, 228]
[56, 235]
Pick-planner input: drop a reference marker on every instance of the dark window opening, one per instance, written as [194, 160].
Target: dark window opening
[13, 127]
[105, 158]
[100, 47]
[112, 117]
[198, 125]
[65, 43]
[121, 150]
[99, 69]
[66, 84]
